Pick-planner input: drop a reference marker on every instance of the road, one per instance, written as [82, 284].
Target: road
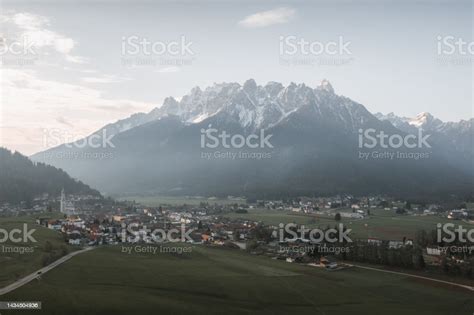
[43, 270]
[415, 276]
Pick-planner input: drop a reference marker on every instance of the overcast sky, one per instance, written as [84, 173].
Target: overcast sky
[76, 67]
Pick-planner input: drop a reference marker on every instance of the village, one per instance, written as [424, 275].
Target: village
[86, 221]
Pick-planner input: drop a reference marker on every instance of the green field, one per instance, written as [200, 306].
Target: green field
[217, 281]
[155, 201]
[16, 265]
[380, 224]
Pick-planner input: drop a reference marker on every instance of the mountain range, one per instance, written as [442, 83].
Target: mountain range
[314, 147]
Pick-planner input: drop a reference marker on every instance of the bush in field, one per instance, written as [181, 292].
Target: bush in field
[52, 254]
[251, 245]
[48, 247]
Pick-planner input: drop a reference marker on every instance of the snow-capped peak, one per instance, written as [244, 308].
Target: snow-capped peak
[325, 85]
[257, 106]
[421, 119]
[425, 121]
[250, 86]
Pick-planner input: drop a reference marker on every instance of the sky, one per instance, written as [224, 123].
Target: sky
[70, 68]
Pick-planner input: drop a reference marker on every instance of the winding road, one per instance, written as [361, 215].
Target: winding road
[415, 276]
[41, 271]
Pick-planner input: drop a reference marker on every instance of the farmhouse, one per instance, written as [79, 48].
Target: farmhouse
[374, 241]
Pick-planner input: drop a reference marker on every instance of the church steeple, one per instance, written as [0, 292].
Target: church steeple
[63, 202]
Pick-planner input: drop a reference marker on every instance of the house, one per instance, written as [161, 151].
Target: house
[54, 225]
[352, 215]
[328, 262]
[43, 221]
[457, 214]
[433, 251]
[206, 238]
[75, 242]
[395, 244]
[433, 256]
[118, 218]
[374, 241]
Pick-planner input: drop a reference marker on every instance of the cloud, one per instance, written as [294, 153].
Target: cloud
[38, 104]
[169, 69]
[266, 18]
[33, 31]
[64, 45]
[88, 71]
[29, 21]
[105, 79]
[64, 121]
[76, 59]
[120, 107]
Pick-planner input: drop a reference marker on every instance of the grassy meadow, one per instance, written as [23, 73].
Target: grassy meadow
[216, 281]
[16, 265]
[382, 224]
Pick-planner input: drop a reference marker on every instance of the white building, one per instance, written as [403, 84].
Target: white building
[66, 207]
